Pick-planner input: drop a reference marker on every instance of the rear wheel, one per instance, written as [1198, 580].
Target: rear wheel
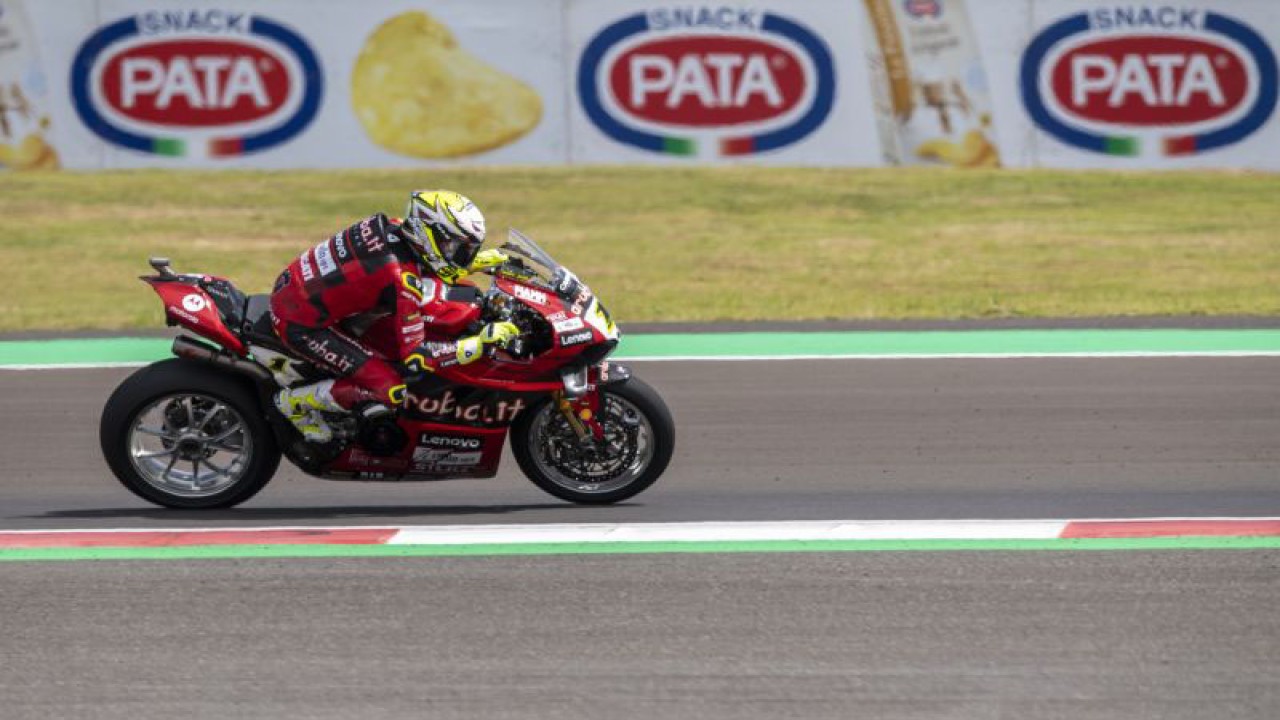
[639, 437]
[183, 435]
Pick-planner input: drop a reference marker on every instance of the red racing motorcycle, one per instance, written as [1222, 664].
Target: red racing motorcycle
[200, 430]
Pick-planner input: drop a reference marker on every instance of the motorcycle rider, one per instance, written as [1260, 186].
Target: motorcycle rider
[379, 267]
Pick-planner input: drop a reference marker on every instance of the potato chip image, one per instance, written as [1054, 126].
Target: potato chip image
[974, 150]
[32, 153]
[418, 93]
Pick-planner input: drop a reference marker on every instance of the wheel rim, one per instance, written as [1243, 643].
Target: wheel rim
[190, 445]
[602, 467]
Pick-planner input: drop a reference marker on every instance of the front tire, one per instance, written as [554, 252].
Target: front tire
[639, 440]
[182, 434]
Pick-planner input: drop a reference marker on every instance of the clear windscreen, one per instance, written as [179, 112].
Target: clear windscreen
[528, 262]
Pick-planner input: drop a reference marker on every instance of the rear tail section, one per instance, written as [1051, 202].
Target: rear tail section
[208, 306]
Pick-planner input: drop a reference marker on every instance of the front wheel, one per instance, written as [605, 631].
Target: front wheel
[183, 435]
[639, 437]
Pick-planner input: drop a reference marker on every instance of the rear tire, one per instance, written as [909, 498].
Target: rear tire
[540, 432]
[169, 420]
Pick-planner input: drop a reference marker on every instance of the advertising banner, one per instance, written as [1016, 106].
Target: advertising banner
[90, 84]
[1150, 85]
[294, 83]
[25, 119]
[929, 82]
[780, 82]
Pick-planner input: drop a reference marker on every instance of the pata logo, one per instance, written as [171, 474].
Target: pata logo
[1149, 80]
[745, 80]
[204, 82]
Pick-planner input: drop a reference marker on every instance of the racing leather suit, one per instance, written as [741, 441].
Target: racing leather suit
[362, 274]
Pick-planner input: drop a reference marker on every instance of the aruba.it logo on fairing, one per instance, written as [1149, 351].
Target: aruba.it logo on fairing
[216, 83]
[669, 80]
[1185, 80]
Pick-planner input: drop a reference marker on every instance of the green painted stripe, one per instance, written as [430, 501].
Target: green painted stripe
[730, 345]
[964, 342]
[95, 350]
[632, 548]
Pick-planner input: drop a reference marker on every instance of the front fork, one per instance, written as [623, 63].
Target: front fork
[581, 414]
[579, 402]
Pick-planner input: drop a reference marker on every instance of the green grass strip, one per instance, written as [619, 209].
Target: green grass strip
[871, 242]
[631, 548]
[956, 342]
[730, 345]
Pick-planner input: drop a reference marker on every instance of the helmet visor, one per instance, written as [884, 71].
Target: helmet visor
[458, 251]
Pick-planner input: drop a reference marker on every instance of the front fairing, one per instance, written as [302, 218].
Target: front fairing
[563, 325]
[529, 265]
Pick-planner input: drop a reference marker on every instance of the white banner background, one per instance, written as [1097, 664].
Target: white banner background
[539, 43]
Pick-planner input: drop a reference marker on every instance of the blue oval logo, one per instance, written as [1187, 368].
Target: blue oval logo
[1180, 76]
[745, 75]
[189, 84]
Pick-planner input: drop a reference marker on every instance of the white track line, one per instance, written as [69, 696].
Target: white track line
[959, 356]
[77, 366]
[732, 532]
[784, 358]
[769, 531]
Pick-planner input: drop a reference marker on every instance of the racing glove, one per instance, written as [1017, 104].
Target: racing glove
[498, 333]
[487, 259]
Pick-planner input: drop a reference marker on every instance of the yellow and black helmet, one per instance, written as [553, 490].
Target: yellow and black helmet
[447, 229]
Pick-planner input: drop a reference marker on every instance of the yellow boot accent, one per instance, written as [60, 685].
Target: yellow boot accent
[303, 405]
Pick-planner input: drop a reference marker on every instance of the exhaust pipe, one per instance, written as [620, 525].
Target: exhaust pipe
[185, 347]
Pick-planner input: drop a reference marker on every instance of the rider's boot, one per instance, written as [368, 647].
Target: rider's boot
[303, 405]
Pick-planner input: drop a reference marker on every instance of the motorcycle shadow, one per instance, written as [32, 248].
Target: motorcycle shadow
[305, 513]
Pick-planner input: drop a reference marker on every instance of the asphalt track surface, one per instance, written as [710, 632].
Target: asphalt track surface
[1160, 634]
[793, 440]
